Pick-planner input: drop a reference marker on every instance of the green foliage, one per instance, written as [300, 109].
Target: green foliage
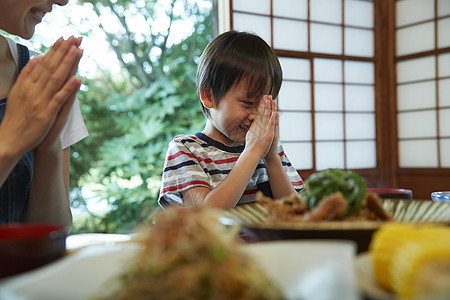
[326, 182]
[132, 116]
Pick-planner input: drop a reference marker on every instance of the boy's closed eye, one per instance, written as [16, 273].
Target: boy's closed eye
[247, 103]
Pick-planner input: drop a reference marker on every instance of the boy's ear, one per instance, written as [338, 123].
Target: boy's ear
[207, 98]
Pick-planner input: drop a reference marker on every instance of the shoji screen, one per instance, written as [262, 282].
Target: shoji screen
[423, 83]
[327, 100]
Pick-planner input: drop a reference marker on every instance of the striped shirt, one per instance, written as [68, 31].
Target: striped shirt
[199, 161]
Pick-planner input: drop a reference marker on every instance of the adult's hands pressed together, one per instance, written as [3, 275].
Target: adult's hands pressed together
[39, 102]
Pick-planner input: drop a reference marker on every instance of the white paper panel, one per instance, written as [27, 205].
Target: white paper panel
[444, 122]
[444, 92]
[254, 6]
[328, 97]
[329, 126]
[327, 70]
[417, 124]
[412, 11]
[445, 153]
[361, 155]
[295, 126]
[416, 69]
[256, 24]
[444, 64]
[359, 42]
[295, 69]
[415, 39]
[326, 39]
[418, 154]
[360, 126]
[295, 96]
[443, 8]
[326, 11]
[290, 35]
[329, 155]
[359, 98]
[359, 72]
[300, 155]
[444, 32]
[416, 95]
[297, 9]
[358, 13]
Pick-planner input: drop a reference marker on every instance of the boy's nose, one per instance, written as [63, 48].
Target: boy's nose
[252, 115]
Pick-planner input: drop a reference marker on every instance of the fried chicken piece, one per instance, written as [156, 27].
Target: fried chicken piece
[290, 208]
[329, 208]
[374, 205]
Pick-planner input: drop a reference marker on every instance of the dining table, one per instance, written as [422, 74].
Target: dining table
[305, 267]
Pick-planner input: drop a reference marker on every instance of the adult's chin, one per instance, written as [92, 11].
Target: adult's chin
[28, 31]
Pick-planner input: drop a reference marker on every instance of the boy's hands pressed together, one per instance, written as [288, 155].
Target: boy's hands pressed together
[273, 151]
[261, 138]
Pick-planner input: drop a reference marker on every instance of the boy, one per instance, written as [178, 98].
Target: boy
[237, 154]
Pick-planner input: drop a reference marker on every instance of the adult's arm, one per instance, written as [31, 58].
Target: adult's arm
[49, 197]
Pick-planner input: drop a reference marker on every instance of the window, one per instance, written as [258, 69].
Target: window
[423, 83]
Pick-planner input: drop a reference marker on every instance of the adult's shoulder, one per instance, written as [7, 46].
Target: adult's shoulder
[12, 44]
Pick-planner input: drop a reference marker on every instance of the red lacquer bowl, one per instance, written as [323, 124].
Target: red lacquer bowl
[26, 246]
[392, 193]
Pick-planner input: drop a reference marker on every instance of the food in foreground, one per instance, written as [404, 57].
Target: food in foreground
[412, 260]
[189, 254]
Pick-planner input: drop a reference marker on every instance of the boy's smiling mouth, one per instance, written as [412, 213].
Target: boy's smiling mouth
[245, 128]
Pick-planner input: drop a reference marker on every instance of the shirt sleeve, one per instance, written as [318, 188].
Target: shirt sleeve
[182, 171]
[74, 130]
[294, 177]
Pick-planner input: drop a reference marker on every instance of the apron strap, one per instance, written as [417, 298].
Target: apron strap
[24, 56]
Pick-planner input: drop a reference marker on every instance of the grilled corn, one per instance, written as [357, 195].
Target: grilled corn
[412, 261]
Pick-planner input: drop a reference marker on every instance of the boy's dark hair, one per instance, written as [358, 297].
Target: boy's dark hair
[233, 56]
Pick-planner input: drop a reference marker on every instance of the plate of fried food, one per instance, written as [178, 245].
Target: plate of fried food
[334, 205]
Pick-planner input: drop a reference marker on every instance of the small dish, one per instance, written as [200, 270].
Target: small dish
[441, 196]
[392, 193]
[26, 246]
[366, 281]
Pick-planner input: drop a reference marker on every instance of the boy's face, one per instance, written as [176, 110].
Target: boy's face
[234, 115]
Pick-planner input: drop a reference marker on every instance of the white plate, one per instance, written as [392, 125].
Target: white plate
[78, 241]
[319, 270]
[367, 282]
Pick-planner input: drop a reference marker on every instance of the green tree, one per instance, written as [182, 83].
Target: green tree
[132, 116]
